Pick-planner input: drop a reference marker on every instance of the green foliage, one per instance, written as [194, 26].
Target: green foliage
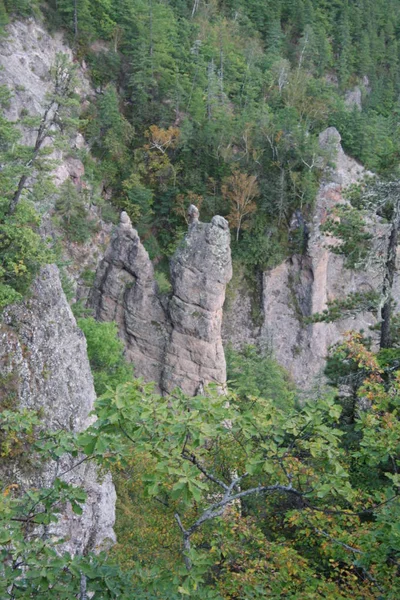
[70, 207]
[343, 308]
[3, 18]
[261, 247]
[187, 94]
[163, 282]
[23, 8]
[202, 455]
[249, 88]
[32, 562]
[105, 352]
[22, 251]
[348, 225]
[252, 373]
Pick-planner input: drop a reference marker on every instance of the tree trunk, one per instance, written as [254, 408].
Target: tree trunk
[151, 34]
[41, 136]
[17, 195]
[186, 549]
[83, 588]
[390, 267]
[195, 7]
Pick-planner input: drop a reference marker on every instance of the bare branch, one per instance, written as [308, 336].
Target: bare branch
[178, 520]
[217, 509]
[192, 458]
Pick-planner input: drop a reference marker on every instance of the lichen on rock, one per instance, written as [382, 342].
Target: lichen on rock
[44, 351]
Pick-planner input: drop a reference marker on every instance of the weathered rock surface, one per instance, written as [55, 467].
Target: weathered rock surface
[242, 313]
[43, 355]
[303, 285]
[27, 56]
[176, 343]
[200, 272]
[125, 292]
[353, 98]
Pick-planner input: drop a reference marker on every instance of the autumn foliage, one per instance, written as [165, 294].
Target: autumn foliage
[240, 190]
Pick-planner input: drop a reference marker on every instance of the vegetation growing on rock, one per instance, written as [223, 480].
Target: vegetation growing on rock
[251, 494]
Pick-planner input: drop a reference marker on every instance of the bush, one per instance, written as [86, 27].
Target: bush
[73, 214]
[22, 251]
[106, 356]
[254, 373]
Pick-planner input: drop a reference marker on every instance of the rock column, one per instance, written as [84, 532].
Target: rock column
[176, 343]
[200, 272]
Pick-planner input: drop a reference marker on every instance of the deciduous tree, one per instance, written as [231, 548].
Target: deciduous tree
[240, 190]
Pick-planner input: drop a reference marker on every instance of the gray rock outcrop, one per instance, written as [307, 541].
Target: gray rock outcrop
[125, 292]
[175, 343]
[44, 361]
[303, 284]
[200, 272]
[353, 98]
[27, 55]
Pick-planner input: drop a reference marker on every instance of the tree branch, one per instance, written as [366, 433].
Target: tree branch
[345, 546]
[192, 458]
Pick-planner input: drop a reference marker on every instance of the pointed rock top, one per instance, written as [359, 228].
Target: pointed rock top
[218, 221]
[193, 214]
[125, 221]
[330, 138]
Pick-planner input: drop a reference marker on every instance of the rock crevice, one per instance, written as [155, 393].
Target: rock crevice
[175, 343]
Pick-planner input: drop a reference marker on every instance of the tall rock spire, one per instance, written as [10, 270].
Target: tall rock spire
[125, 291]
[176, 343]
[201, 269]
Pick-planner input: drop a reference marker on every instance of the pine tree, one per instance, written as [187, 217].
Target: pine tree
[345, 50]
[3, 17]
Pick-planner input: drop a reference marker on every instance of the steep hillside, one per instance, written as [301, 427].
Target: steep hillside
[199, 223]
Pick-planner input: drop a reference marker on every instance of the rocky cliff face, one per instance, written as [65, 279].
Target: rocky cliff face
[27, 55]
[175, 343]
[125, 291]
[43, 356]
[303, 285]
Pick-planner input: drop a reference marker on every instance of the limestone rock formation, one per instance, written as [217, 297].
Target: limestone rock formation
[242, 314]
[200, 272]
[176, 343]
[27, 54]
[43, 356]
[125, 291]
[302, 285]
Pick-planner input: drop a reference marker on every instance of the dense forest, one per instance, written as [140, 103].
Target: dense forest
[257, 494]
[216, 101]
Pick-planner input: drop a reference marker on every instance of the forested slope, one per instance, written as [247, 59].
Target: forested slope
[252, 494]
[221, 103]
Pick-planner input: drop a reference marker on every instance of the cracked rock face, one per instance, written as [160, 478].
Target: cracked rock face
[201, 270]
[43, 357]
[179, 344]
[303, 285]
[27, 56]
[125, 292]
